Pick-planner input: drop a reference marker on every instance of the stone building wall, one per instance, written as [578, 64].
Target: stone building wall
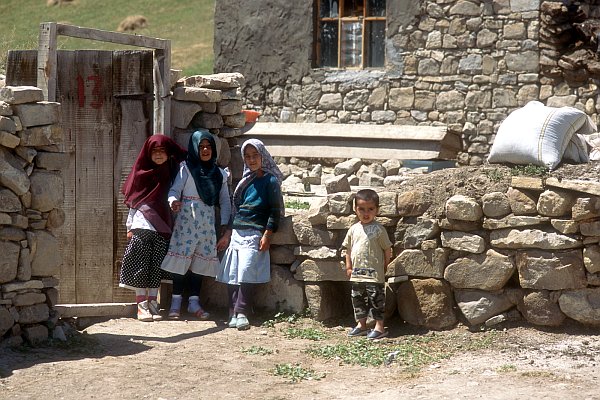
[31, 197]
[465, 64]
[528, 253]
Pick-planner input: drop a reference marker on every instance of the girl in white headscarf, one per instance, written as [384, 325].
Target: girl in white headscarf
[258, 206]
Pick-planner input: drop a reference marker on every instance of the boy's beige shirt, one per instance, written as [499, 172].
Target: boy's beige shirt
[366, 245]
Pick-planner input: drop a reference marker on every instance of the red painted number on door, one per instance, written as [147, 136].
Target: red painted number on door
[96, 91]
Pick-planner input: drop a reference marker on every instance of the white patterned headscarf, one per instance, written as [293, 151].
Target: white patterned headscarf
[268, 165]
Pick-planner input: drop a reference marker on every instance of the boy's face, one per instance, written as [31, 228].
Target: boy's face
[158, 155]
[366, 210]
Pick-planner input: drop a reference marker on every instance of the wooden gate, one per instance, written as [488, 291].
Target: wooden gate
[106, 115]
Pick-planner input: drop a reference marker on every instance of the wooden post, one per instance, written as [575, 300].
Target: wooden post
[46, 60]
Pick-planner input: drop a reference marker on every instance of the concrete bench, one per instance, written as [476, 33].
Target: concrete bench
[377, 142]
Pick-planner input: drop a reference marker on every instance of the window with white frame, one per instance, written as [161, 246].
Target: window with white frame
[350, 33]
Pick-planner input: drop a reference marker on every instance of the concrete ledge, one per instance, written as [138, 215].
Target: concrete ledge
[96, 310]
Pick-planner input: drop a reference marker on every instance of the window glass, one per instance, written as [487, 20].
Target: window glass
[329, 9]
[351, 55]
[353, 8]
[375, 44]
[329, 44]
[376, 8]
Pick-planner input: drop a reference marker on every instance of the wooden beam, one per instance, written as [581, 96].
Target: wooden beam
[46, 60]
[96, 310]
[112, 37]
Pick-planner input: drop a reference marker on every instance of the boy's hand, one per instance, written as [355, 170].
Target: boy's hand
[176, 206]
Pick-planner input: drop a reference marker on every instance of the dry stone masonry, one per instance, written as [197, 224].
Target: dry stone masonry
[465, 64]
[31, 197]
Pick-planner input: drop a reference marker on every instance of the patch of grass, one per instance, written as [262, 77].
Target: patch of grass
[529, 170]
[494, 174]
[297, 205]
[538, 374]
[506, 368]
[296, 373]
[412, 353]
[189, 24]
[258, 350]
[285, 317]
[305, 333]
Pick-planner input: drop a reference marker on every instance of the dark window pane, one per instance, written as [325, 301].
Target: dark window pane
[353, 8]
[375, 44]
[329, 8]
[329, 44]
[376, 8]
[351, 44]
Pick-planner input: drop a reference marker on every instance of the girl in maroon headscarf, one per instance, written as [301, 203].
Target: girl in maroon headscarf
[149, 223]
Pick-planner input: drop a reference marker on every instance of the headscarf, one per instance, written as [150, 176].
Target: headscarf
[147, 186]
[268, 165]
[206, 174]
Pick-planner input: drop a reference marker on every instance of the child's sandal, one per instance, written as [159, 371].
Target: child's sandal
[174, 314]
[202, 315]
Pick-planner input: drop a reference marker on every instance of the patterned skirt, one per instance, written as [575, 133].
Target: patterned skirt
[193, 245]
[141, 261]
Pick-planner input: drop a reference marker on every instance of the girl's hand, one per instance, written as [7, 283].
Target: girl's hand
[176, 206]
[265, 242]
[129, 235]
[224, 241]
[349, 273]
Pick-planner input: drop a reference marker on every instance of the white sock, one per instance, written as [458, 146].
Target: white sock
[140, 292]
[193, 304]
[153, 292]
[240, 315]
[176, 302]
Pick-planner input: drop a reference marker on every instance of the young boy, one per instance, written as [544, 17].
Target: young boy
[368, 252]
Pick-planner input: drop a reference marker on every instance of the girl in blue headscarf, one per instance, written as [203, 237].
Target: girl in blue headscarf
[258, 207]
[199, 187]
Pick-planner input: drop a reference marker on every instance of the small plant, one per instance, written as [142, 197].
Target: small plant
[506, 368]
[285, 317]
[529, 170]
[297, 205]
[494, 174]
[305, 333]
[295, 373]
[257, 350]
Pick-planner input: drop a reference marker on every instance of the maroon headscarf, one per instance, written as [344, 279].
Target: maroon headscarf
[147, 186]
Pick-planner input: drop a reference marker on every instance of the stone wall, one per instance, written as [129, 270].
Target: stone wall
[465, 64]
[529, 253]
[31, 197]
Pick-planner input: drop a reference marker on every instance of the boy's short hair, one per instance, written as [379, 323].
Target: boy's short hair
[367, 195]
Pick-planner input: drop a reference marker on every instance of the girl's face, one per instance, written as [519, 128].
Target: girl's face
[252, 158]
[205, 150]
[158, 155]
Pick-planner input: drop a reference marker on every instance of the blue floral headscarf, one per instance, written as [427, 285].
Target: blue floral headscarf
[206, 174]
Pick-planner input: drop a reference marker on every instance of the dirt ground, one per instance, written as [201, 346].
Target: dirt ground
[127, 359]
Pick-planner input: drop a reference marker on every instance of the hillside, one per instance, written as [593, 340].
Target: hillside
[187, 23]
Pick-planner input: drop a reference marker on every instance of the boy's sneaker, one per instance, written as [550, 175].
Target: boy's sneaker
[154, 310]
[143, 312]
[358, 332]
[375, 335]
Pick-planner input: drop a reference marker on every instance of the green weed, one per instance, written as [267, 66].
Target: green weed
[295, 373]
[297, 205]
[257, 350]
[285, 317]
[305, 333]
[506, 368]
[529, 170]
[494, 174]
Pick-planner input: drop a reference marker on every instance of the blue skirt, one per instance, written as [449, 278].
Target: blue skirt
[242, 262]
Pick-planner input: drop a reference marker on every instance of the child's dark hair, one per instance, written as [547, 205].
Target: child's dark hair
[367, 195]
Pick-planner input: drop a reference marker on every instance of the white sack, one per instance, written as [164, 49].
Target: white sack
[539, 135]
